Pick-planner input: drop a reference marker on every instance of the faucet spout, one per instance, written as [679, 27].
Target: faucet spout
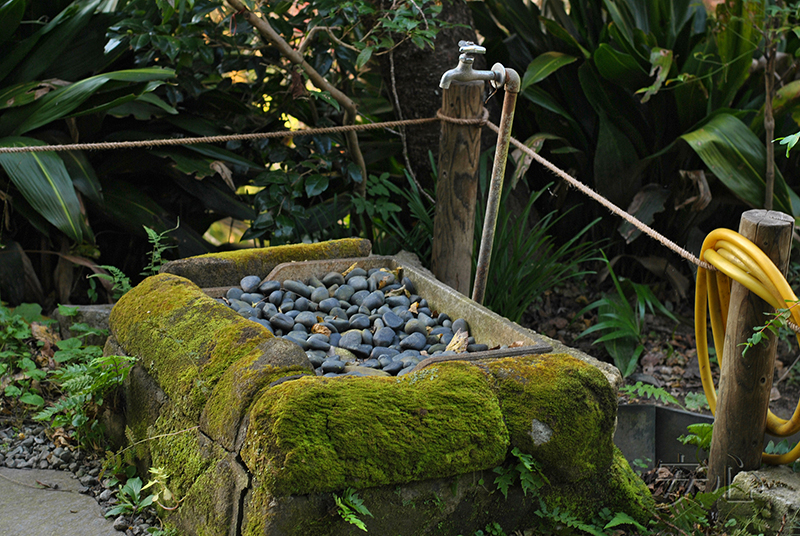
[464, 71]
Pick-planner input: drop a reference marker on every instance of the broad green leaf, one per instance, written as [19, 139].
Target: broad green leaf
[83, 175]
[20, 94]
[560, 33]
[218, 153]
[63, 101]
[11, 12]
[32, 399]
[43, 181]
[316, 184]
[736, 42]
[619, 67]
[738, 158]
[61, 30]
[615, 161]
[363, 57]
[785, 99]
[543, 66]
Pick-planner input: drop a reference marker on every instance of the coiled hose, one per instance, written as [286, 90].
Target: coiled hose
[737, 258]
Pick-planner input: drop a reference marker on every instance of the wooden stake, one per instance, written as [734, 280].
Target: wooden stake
[457, 186]
[745, 382]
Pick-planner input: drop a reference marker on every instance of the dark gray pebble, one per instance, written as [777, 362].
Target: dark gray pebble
[441, 318]
[287, 305]
[398, 301]
[335, 338]
[355, 272]
[392, 320]
[373, 300]
[359, 321]
[409, 285]
[460, 324]
[319, 294]
[250, 283]
[477, 347]
[316, 357]
[282, 322]
[405, 371]
[341, 324]
[333, 365]
[350, 311]
[344, 292]
[383, 337]
[318, 344]
[267, 287]
[314, 282]
[302, 304]
[415, 326]
[415, 341]
[276, 297]
[350, 339]
[327, 304]
[358, 297]
[292, 313]
[437, 348]
[333, 278]
[251, 297]
[358, 282]
[234, 293]
[306, 318]
[297, 287]
[366, 337]
[371, 363]
[393, 368]
[302, 343]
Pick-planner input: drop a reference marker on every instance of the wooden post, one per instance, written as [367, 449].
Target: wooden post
[745, 382]
[457, 186]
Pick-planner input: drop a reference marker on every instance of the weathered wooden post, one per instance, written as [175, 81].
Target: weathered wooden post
[746, 381]
[457, 186]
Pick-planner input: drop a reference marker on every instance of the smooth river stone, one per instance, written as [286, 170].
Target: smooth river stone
[282, 322]
[250, 283]
[319, 294]
[415, 341]
[333, 278]
[383, 337]
[392, 320]
[306, 318]
[268, 286]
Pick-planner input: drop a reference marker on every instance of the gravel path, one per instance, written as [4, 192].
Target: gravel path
[30, 448]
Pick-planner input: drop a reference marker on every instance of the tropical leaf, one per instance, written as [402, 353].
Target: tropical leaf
[83, 175]
[11, 12]
[738, 158]
[543, 66]
[64, 101]
[43, 181]
[619, 67]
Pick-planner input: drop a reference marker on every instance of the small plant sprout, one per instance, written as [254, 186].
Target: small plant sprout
[780, 319]
[350, 506]
[131, 500]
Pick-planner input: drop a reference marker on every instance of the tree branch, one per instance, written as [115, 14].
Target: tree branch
[269, 34]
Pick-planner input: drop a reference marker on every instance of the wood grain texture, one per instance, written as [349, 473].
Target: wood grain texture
[746, 381]
[457, 186]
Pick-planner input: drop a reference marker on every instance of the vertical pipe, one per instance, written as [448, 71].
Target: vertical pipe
[496, 185]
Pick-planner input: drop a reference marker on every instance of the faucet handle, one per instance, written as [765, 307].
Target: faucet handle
[468, 47]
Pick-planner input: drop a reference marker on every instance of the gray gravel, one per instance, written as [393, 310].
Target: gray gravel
[27, 453]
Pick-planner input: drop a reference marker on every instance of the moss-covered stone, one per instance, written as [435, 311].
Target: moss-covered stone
[184, 339]
[616, 488]
[229, 267]
[323, 434]
[235, 391]
[559, 409]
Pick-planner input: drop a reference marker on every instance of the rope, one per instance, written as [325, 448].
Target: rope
[242, 137]
[614, 209]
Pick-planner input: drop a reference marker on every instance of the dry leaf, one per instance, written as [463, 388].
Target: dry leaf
[413, 308]
[774, 394]
[224, 172]
[459, 342]
[398, 292]
[353, 267]
[516, 344]
[319, 328]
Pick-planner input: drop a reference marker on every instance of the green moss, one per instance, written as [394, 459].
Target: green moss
[559, 409]
[321, 434]
[229, 267]
[237, 388]
[184, 339]
[617, 488]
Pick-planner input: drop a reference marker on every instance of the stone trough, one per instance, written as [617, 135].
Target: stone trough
[255, 443]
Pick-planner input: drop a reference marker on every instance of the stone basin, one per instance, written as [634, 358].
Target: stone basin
[255, 443]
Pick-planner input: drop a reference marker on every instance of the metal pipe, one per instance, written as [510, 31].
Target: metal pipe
[464, 71]
[512, 83]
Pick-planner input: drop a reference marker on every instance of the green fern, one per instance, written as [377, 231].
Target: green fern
[650, 391]
[350, 506]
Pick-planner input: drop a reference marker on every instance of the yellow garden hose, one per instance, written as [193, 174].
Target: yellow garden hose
[739, 259]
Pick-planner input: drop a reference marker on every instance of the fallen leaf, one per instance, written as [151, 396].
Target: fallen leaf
[516, 344]
[774, 394]
[459, 342]
[353, 267]
[319, 328]
[224, 172]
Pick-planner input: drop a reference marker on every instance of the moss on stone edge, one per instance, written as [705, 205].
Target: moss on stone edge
[324, 434]
[558, 409]
[236, 390]
[184, 339]
[229, 267]
[618, 488]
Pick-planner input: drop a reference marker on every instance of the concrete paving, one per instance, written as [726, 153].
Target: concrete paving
[29, 509]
